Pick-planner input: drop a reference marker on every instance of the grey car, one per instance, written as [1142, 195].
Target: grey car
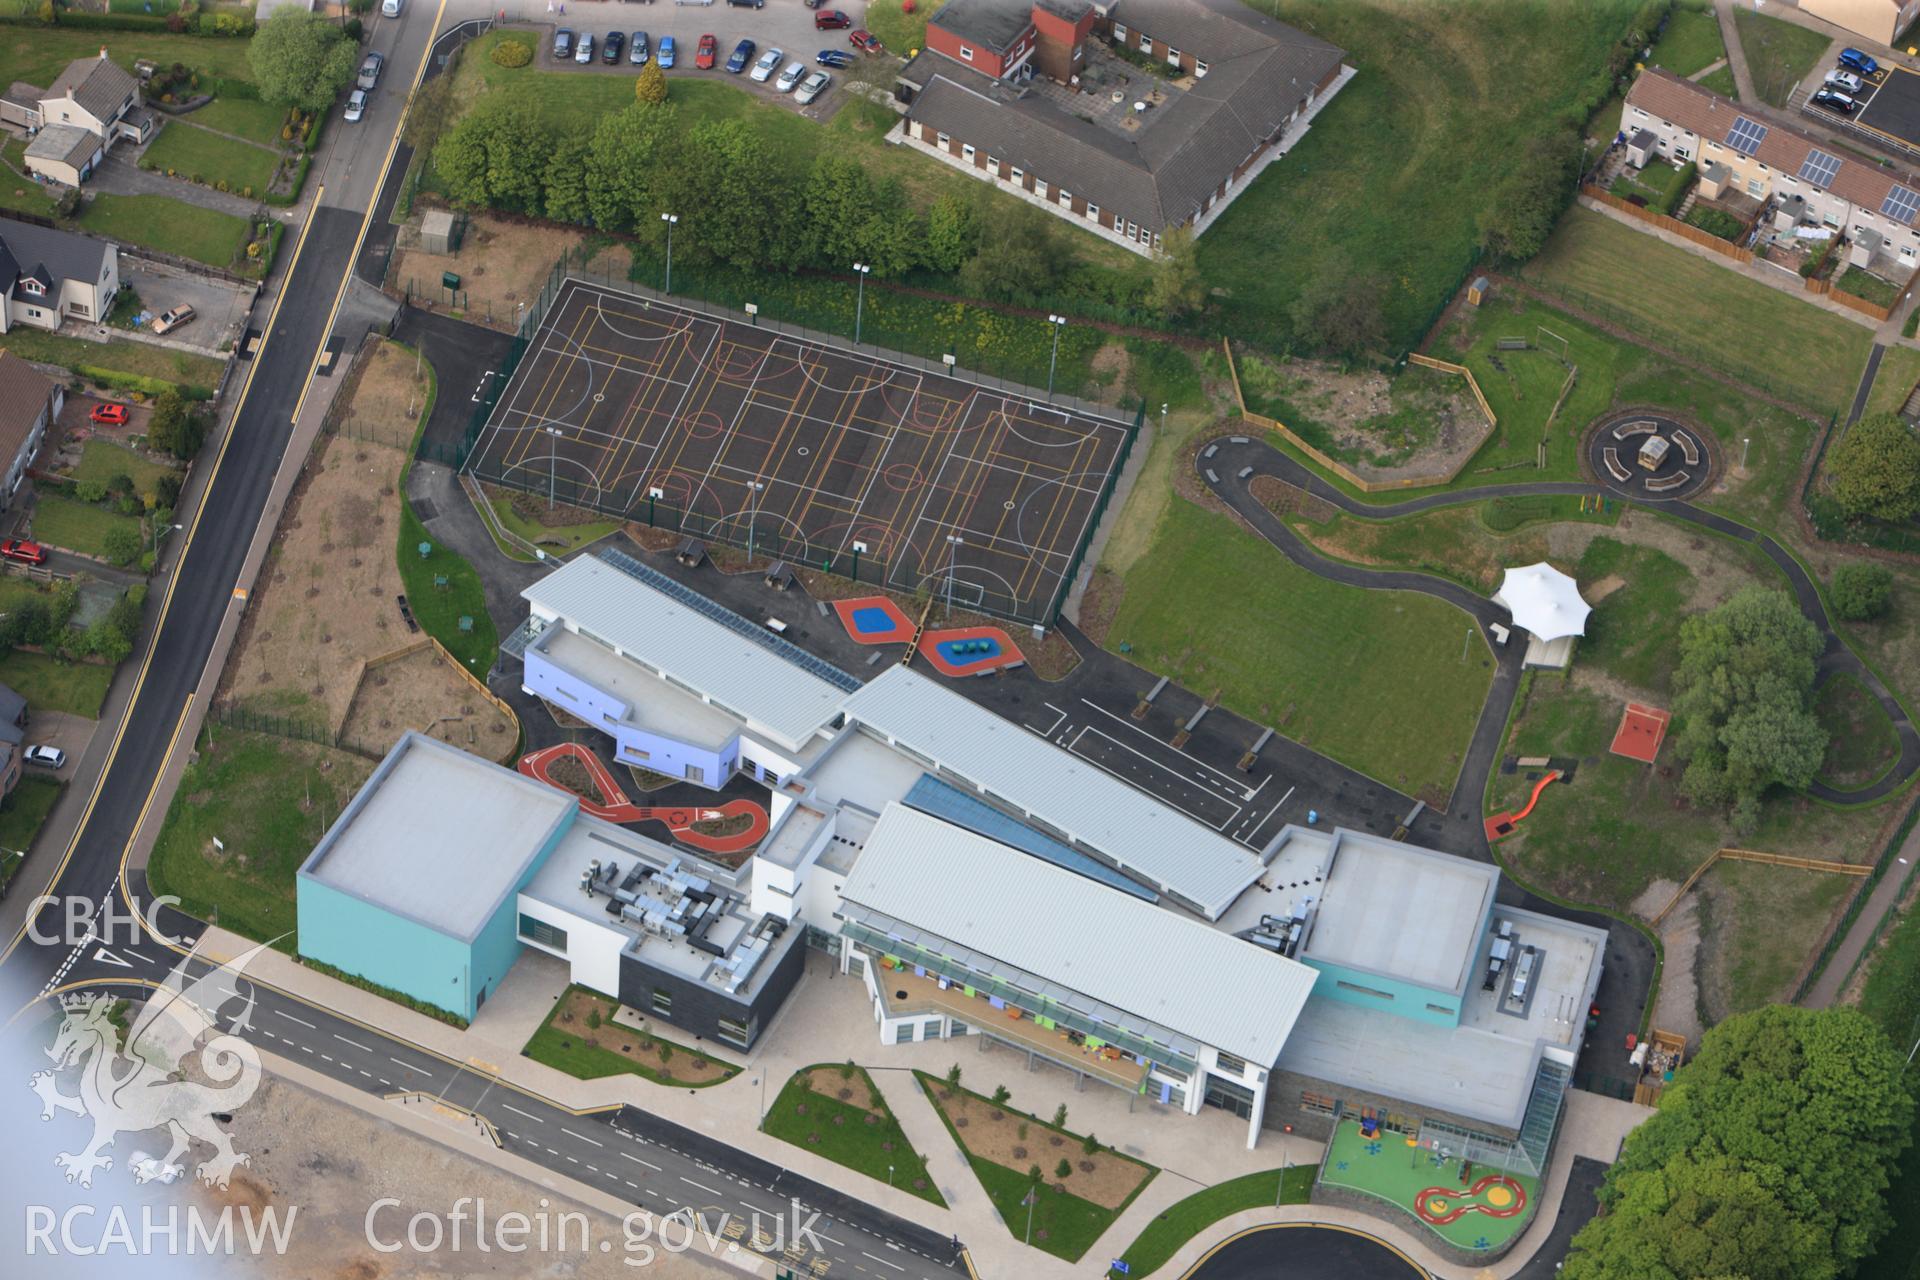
[370, 71]
[812, 87]
[790, 77]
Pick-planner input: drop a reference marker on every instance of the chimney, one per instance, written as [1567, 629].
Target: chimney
[103, 53]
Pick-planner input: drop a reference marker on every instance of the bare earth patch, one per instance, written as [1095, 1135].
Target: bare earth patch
[995, 1133]
[501, 264]
[1677, 1007]
[425, 692]
[1357, 411]
[829, 1083]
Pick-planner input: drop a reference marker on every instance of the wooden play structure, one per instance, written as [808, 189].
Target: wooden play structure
[1657, 1057]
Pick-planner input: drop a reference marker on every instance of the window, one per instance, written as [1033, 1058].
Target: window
[1133, 230]
[1020, 176]
[663, 1002]
[32, 286]
[1442, 1010]
[696, 774]
[1357, 989]
[1173, 56]
[1319, 1103]
[1066, 197]
[967, 152]
[1146, 43]
[945, 141]
[1756, 188]
[1040, 188]
[1120, 32]
[903, 1034]
[546, 935]
[956, 1028]
[637, 753]
[993, 163]
[966, 54]
[1232, 1065]
[736, 1031]
[1199, 68]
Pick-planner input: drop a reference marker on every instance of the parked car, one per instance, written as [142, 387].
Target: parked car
[769, 63]
[23, 551]
[865, 41]
[667, 52]
[707, 52]
[748, 4]
[833, 58]
[583, 49]
[173, 317]
[370, 68]
[1845, 82]
[46, 757]
[610, 52]
[814, 4]
[356, 106]
[831, 20]
[563, 43]
[1834, 100]
[1854, 60]
[390, 8]
[790, 77]
[812, 87]
[742, 54]
[112, 414]
[638, 48]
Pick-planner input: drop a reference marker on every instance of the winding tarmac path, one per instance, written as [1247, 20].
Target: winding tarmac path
[1230, 465]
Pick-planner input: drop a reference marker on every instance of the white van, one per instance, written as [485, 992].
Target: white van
[390, 8]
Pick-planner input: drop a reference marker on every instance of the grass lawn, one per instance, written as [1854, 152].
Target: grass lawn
[1719, 81]
[77, 688]
[1779, 53]
[1864, 744]
[1690, 42]
[439, 609]
[77, 526]
[243, 117]
[21, 815]
[900, 32]
[840, 1131]
[169, 225]
[102, 460]
[19, 192]
[1660, 184]
[268, 800]
[1680, 300]
[137, 359]
[1185, 1219]
[1633, 634]
[1862, 283]
[40, 55]
[1469, 544]
[199, 155]
[1395, 173]
[563, 1045]
[1375, 679]
[1384, 1167]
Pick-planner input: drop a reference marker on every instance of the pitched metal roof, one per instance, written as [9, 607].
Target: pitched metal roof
[1022, 912]
[97, 84]
[739, 666]
[1137, 833]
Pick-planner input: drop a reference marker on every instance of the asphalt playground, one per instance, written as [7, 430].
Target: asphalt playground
[741, 435]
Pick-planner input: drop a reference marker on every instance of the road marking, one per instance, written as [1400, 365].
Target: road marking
[517, 1111]
[290, 1018]
[882, 1261]
[408, 1065]
[638, 1160]
[583, 1137]
[698, 1186]
[355, 1043]
[105, 956]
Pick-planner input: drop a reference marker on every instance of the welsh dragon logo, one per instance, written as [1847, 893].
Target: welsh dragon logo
[175, 1071]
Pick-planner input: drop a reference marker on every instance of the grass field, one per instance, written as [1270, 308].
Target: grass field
[1680, 300]
[40, 56]
[1864, 744]
[268, 800]
[166, 224]
[199, 155]
[1691, 40]
[136, 359]
[1396, 171]
[1633, 634]
[102, 460]
[77, 688]
[1184, 1219]
[1377, 680]
[838, 1131]
[19, 192]
[1461, 544]
[1779, 53]
[21, 815]
[439, 609]
[77, 526]
[244, 118]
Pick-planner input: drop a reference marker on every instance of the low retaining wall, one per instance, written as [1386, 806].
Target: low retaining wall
[1409, 1221]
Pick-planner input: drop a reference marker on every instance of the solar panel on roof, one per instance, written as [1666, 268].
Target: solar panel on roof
[1901, 204]
[1746, 135]
[1819, 167]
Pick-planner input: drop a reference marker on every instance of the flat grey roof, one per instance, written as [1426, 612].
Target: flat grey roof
[1401, 911]
[1142, 836]
[1155, 964]
[652, 703]
[439, 836]
[711, 650]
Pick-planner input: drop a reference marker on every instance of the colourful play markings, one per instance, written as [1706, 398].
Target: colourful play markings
[1641, 730]
[874, 620]
[1495, 1195]
[615, 807]
[970, 651]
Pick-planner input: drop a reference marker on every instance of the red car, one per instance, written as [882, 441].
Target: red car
[110, 415]
[707, 54]
[830, 20]
[865, 41]
[23, 551]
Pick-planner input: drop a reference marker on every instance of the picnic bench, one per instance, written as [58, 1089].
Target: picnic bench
[691, 552]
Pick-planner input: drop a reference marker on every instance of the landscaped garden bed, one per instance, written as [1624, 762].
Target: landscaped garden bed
[835, 1111]
[582, 1038]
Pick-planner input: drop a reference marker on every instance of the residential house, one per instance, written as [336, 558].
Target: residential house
[48, 277]
[1020, 94]
[13, 735]
[1676, 120]
[1878, 20]
[91, 106]
[29, 403]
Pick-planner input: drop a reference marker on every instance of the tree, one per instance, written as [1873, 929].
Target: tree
[1020, 256]
[1766, 1160]
[1742, 698]
[1341, 312]
[564, 182]
[1176, 286]
[651, 87]
[1860, 592]
[953, 1076]
[631, 150]
[1000, 1095]
[719, 188]
[121, 544]
[175, 428]
[1875, 469]
[1063, 1170]
[951, 235]
[496, 156]
[1529, 202]
[1060, 1116]
[300, 59]
[836, 200]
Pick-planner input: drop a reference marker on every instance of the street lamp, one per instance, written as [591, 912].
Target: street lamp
[672, 220]
[1744, 442]
[1033, 1198]
[1058, 322]
[889, 1175]
[553, 460]
[860, 299]
[1163, 419]
[1285, 1132]
[954, 541]
[753, 513]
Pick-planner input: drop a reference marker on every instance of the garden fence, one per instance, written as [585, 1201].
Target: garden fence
[1665, 222]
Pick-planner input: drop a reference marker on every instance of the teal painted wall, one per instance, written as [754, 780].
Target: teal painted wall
[364, 940]
[1408, 1001]
[497, 945]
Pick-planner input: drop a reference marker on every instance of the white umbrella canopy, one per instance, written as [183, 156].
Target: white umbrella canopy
[1544, 602]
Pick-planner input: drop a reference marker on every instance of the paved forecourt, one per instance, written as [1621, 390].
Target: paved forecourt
[645, 410]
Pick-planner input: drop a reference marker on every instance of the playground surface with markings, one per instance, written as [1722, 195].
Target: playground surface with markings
[792, 447]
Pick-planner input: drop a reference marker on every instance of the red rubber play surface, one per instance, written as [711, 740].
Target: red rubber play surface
[970, 651]
[874, 620]
[1641, 731]
[617, 808]
[1495, 1195]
